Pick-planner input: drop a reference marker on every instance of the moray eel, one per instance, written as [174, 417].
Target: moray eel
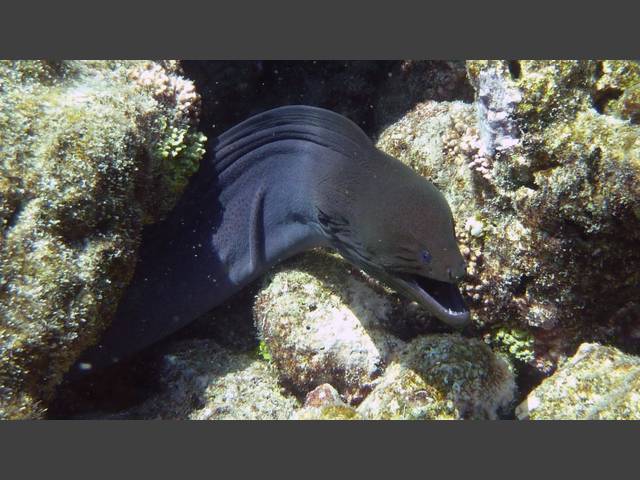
[282, 182]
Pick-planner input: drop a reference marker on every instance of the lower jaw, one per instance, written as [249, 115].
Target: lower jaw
[453, 312]
[409, 285]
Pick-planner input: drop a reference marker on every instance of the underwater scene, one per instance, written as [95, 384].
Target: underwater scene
[311, 240]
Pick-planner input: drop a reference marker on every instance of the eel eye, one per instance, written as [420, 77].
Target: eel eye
[425, 256]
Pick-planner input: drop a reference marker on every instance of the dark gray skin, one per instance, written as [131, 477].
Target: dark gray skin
[277, 184]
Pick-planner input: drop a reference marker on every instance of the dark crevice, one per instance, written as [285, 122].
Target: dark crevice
[521, 287]
[573, 230]
[602, 97]
[593, 162]
[542, 163]
[515, 69]
[15, 215]
[599, 70]
[373, 94]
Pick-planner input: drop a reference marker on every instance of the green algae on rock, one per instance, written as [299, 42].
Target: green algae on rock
[598, 382]
[442, 377]
[515, 343]
[79, 175]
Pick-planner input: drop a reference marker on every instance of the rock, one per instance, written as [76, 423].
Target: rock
[200, 380]
[547, 162]
[324, 403]
[441, 377]
[617, 90]
[321, 396]
[90, 151]
[433, 377]
[598, 382]
[322, 322]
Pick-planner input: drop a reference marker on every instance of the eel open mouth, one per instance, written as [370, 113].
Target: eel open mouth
[442, 299]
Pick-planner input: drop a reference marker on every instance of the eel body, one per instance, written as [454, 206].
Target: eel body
[282, 182]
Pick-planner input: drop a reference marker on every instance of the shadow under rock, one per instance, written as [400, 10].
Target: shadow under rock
[373, 94]
[117, 391]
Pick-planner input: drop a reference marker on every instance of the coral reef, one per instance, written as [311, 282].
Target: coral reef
[540, 163]
[324, 323]
[542, 176]
[598, 382]
[80, 172]
[432, 377]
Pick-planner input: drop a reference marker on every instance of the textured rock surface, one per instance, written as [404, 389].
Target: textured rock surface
[321, 322]
[201, 380]
[598, 382]
[433, 377]
[542, 174]
[316, 336]
[324, 403]
[89, 151]
[442, 377]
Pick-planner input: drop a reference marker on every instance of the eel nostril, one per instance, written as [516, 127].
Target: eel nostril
[450, 274]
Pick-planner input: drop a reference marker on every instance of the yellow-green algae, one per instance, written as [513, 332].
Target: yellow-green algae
[79, 173]
[598, 382]
[263, 351]
[516, 343]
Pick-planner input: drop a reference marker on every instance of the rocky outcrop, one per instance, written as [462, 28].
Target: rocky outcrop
[542, 174]
[90, 152]
[597, 383]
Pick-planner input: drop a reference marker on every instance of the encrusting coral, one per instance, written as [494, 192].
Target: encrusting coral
[598, 382]
[81, 170]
